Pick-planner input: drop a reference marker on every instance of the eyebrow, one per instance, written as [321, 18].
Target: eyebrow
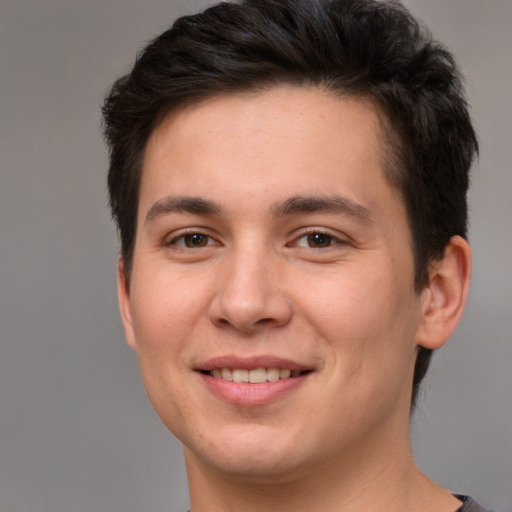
[320, 204]
[172, 204]
[292, 205]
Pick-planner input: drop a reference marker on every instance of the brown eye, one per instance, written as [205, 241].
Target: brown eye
[319, 240]
[195, 240]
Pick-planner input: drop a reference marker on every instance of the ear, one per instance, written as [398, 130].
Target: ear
[123, 293]
[444, 298]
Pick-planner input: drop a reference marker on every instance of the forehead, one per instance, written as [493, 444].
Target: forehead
[302, 139]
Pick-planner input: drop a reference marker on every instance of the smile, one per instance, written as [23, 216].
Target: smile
[255, 375]
[253, 381]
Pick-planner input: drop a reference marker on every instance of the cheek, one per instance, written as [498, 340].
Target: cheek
[363, 313]
[345, 302]
[164, 308]
[165, 312]
[368, 325]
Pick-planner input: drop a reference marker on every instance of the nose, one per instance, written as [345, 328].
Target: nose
[250, 294]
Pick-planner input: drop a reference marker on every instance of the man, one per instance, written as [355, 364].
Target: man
[289, 180]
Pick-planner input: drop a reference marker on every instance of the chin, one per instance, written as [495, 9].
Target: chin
[256, 453]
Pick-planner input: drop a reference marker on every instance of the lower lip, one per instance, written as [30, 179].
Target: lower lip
[241, 393]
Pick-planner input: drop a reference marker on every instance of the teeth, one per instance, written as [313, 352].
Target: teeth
[258, 375]
[273, 374]
[226, 374]
[255, 376]
[239, 375]
[284, 374]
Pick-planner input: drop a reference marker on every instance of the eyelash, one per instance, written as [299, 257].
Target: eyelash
[183, 236]
[331, 240]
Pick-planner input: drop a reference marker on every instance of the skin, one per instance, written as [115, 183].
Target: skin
[330, 289]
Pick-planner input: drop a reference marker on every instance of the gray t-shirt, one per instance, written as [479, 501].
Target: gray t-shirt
[470, 505]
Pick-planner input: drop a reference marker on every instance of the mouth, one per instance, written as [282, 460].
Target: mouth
[255, 375]
[253, 381]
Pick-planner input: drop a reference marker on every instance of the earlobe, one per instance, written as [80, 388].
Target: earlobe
[123, 292]
[444, 298]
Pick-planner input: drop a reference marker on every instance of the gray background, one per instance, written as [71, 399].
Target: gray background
[77, 433]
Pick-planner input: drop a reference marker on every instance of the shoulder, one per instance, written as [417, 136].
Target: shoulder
[470, 505]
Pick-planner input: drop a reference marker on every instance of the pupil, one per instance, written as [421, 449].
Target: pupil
[319, 240]
[195, 240]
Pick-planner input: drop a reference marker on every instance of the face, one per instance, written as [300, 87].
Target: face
[271, 248]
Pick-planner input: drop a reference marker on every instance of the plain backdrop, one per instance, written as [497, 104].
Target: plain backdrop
[77, 433]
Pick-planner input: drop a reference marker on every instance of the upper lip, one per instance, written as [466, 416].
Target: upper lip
[249, 363]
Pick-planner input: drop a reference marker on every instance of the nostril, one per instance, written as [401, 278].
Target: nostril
[265, 321]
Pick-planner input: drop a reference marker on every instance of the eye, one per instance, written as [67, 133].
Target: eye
[192, 240]
[316, 240]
